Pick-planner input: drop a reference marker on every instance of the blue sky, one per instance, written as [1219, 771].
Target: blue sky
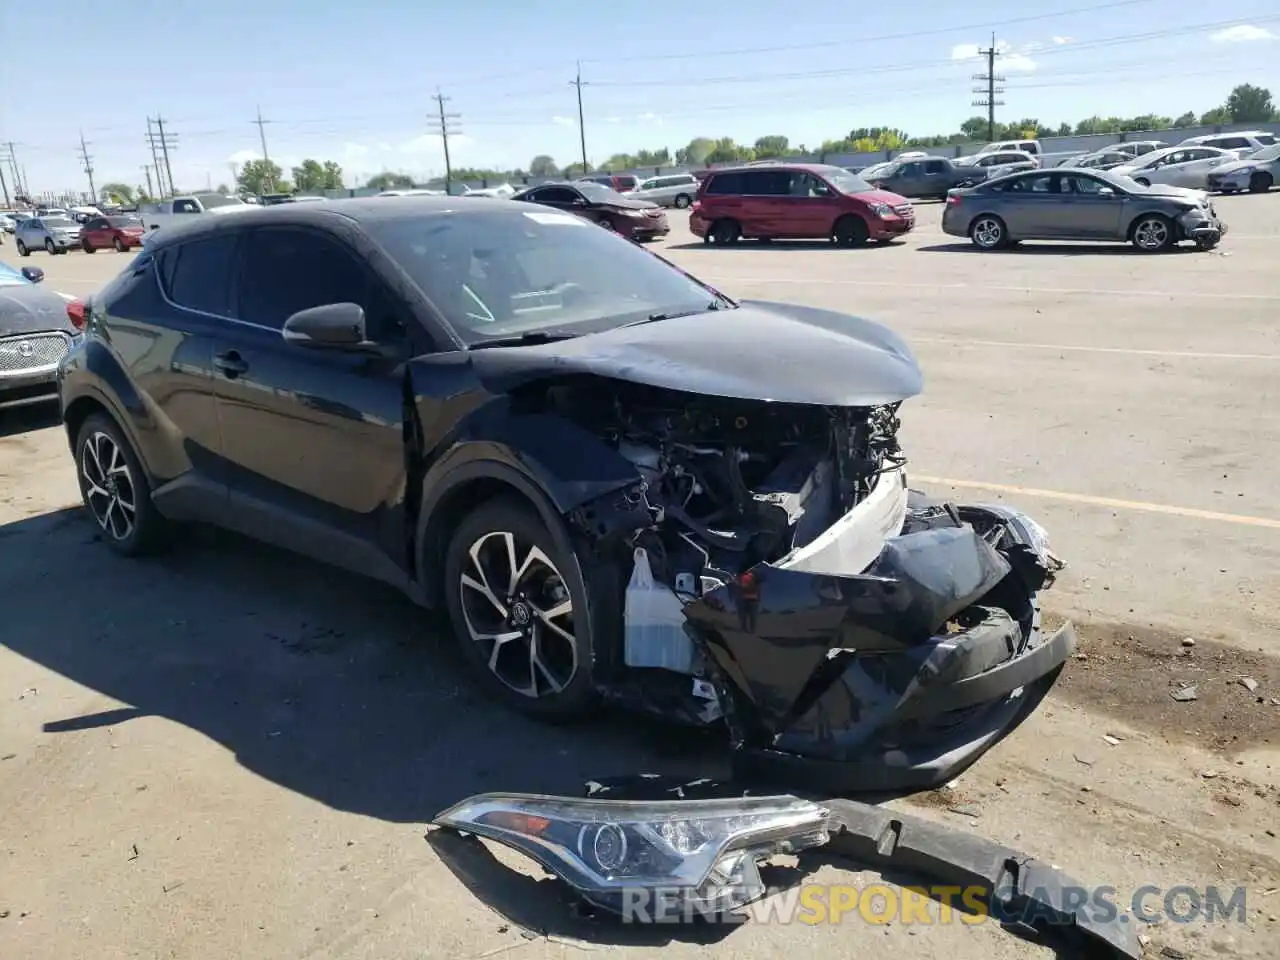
[353, 83]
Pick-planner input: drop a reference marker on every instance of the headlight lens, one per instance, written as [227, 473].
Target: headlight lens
[661, 855]
[1245, 170]
[881, 209]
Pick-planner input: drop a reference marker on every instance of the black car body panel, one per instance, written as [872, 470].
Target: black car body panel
[834, 619]
[814, 357]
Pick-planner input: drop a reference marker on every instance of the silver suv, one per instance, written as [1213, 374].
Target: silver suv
[670, 190]
[55, 234]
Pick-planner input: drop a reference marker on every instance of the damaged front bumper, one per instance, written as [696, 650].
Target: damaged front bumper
[662, 860]
[897, 677]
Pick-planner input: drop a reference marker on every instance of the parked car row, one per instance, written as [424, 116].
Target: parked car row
[58, 234]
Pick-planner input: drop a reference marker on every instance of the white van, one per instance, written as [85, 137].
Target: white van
[1023, 146]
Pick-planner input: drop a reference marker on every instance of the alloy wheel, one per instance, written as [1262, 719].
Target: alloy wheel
[1151, 234]
[109, 490]
[48, 245]
[517, 607]
[987, 233]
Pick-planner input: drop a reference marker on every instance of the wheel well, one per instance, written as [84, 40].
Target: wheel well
[1133, 224]
[449, 511]
[845, 218]
[80, 410]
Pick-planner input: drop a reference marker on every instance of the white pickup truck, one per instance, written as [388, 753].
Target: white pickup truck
[168, 212]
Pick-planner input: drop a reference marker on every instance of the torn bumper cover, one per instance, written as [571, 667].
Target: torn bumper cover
[897, 677]
[653, 861]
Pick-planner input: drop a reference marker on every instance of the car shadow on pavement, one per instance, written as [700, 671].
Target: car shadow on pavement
[20, 420]
[331, 686]
[747, 246]
[1055, 249]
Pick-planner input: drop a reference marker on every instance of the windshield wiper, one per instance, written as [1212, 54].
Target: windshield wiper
[719, 303]
[531, 338]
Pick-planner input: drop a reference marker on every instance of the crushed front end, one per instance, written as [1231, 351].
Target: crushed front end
[772, 569]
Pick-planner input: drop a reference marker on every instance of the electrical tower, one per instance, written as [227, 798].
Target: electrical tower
[157, 137]
[262, 135]
[987, 95]
[87, 162]
[11, 158]
[578, 82]
[448, 125]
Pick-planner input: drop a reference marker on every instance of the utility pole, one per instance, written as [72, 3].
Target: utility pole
[448, 125]
[578, 82]
[146, 168]
[266, 160]
[4, 186]
[987, 95]
[165, 141]
[155, 161]
[88, 168]
[12, 157]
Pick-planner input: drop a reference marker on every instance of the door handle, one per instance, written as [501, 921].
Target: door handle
[231, 364]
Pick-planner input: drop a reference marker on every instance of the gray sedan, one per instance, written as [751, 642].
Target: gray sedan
[55, 234]
[1076, 204]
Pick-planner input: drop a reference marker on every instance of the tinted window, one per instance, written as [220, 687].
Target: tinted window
[934, 166]
[1038, 184]
[555, 195]
[725, 184]
[1265, 139]
[1231, 143]
[122, 222]
[288, 269]
[96, 224]
[910, 169]
[197, 275]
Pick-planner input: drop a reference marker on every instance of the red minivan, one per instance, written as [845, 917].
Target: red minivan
[796, 201]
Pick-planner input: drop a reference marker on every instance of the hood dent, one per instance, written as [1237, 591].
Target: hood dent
[760, 351]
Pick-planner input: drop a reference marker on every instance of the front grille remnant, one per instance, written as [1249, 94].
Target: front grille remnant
[23, 353]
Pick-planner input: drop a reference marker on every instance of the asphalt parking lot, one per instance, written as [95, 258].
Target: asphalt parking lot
[229, 751]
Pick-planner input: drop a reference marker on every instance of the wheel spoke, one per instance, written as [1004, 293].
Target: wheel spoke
[484, 591]
[536, 666]
[535, 555]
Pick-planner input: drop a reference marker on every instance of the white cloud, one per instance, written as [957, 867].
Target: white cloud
[1242, 33]
[612, 119]
[244, 156]
[563, 121]
[1060, 41]
[1008, 61]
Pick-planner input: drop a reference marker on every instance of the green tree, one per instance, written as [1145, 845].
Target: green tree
[653, 158]
[1187, 119]
[390, 181]
[259, 176]
[224, 189]
[620, 161]
[696, 152]
[771, 147]
[120, 192]
[311, 175]
[1250, 104]
[1215, 116]
[543, 166]
[726, 151]
[577, 170]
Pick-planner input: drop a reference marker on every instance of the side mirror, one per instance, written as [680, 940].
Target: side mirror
[1106, 192]
[34, 274]
[336, 325]
[579, 202]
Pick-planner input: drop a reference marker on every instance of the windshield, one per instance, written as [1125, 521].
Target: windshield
[598, 192]
[879, 170]
[208, 200]
[59, 223]
[124, 221]
[501, 274]
[9, 277]
[844, 181]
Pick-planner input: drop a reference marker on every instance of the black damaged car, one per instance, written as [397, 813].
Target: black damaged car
[621, 484]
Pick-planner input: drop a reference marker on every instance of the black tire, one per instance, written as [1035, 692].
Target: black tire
[1260, 182]
[850, 231]
[988, 232]
[723, 233]
[1152, 233]
[607, 224]
[22, 249]
[119, 245]
[87, 247]
[118, 478]
[683, 200]
[1142, 180]
[51, 247]
[569, 664]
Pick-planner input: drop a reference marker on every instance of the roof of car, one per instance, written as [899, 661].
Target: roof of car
[778, 164]
[358, 210]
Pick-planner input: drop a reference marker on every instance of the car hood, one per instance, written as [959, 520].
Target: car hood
[27, 308]
[627, 203]
[760, 351]
[1165, 190]
[882, 196]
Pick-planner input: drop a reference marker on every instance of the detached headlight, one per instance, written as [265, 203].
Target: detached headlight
[648, 860]
[882, 210]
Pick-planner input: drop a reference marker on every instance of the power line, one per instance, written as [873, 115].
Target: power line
[447, 125]
[87, 162]
[157, 137]
[266, 160]
[579, 83]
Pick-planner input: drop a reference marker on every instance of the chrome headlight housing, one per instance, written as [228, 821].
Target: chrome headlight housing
[881, 210]
[648, 860]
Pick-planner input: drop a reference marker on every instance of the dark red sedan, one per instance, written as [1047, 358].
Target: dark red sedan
[119, 232]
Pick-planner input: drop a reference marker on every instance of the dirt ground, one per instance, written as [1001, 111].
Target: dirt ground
[230, 752]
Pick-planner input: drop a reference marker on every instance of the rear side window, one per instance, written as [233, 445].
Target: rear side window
[197, 274]
[1266, 139]
[725, 185]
